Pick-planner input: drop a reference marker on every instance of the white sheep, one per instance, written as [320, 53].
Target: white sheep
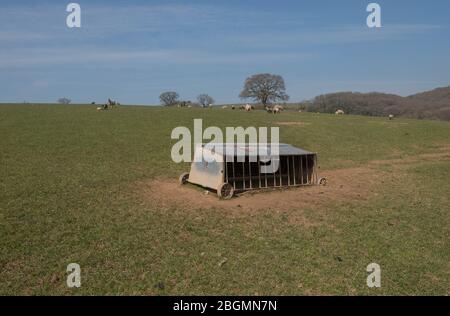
[277, 109]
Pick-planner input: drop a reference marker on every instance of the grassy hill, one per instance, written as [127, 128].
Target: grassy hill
[92, 188]
[433, 104]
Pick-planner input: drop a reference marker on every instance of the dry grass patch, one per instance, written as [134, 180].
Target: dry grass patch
[297, 123]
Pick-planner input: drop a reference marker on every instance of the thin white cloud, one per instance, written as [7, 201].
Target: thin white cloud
[333, 35]
[19, 24]
[18, 59]
[99, 21]
[20, 36]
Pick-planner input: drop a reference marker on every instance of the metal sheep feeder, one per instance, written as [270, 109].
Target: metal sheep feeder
[242, 171]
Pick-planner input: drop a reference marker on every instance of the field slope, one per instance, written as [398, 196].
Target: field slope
[91, 187]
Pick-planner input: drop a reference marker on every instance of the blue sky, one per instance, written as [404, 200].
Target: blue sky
[134, 50]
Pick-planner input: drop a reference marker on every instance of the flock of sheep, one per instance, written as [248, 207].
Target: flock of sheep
[341, 112]
[107, 105]
[275, 109]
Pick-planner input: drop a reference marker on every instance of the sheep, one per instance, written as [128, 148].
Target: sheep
[224, 107]
[112, 103]
[102, 107]
[277, 109]
[340, 112]
[274, 109]
[233, 107]
[248, 107]
[391, 117]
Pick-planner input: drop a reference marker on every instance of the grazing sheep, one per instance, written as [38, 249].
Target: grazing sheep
[340, 112]
[224, 107]
[276, 109]
[102, 107]
[233, 107]
[391, 117]
[248, 107]
[112, 103]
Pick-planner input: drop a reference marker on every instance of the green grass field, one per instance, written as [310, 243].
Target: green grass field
[70, 192]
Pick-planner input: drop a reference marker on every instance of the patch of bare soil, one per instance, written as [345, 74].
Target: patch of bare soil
[297, 123]
[342, 185]
[388, 122]
[442, 154]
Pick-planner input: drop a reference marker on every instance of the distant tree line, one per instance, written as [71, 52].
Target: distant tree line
[266, 89]
[263, 88]
[432, 104]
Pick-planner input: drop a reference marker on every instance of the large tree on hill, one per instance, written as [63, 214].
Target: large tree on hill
[264, 88]
[205, 100]
[169, 98]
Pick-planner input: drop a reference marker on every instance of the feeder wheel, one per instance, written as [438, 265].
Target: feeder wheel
[225, 191]
[184, 178]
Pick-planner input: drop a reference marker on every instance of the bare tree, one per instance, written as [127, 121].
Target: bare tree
[64, 101]
[264, 88]
[205, 100]
[169, 98]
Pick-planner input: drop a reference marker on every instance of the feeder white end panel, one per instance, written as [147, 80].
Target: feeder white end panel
[207, 169]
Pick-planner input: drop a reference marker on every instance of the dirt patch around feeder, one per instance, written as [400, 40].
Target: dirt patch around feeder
[342, 185]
